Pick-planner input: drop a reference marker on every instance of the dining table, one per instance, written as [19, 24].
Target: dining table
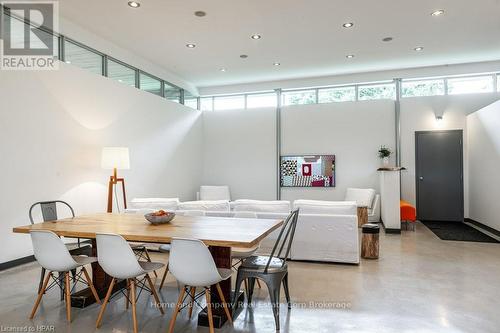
[220, 234]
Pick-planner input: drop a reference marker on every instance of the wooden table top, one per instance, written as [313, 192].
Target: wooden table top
[215, 231]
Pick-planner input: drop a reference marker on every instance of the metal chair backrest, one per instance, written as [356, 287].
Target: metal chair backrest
[49, 210]
[285, 239]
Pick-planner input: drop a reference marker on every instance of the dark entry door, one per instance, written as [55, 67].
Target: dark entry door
[439, 175]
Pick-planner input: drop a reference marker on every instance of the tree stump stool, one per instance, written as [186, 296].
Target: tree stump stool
[369, 242]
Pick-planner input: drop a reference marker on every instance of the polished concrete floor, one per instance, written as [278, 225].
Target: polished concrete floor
[419, 284]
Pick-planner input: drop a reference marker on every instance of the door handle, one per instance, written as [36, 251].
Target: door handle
[421, 178]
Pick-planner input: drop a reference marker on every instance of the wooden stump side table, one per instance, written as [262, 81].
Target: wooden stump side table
[362, 215]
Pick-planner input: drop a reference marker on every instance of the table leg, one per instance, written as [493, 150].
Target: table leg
[101, 280]
[222, 258]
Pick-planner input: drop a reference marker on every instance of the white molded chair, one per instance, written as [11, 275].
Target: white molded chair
[193, 266]
[165, 248]
[118, 260]
[53, 255]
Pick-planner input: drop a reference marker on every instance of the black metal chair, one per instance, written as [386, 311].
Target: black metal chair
[49, 213]
[272, 269]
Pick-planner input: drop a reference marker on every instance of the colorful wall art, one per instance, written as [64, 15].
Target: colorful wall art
[308, 171]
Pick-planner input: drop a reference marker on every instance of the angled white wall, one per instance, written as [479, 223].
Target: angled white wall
[53, 125]
[483, 140]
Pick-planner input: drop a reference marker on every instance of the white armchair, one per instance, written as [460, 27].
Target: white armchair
[366, 198]
[210, 193]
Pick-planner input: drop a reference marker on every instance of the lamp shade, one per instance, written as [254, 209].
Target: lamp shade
[115, 157]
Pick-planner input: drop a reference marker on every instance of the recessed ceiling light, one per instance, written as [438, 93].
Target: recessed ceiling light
[387, 39]
[419, 48]
[68, 62]
[191, 45]
[348, 25]
[134, 4]
[276, 64]
[222, 69]
[243, 56]
[349, 56]
[438, 12]
[200, 13]
[256, 36]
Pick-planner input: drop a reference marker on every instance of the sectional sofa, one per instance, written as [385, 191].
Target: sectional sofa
[326, 230]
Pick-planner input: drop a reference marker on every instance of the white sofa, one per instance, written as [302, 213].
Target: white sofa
[366, 197]
[326, 230]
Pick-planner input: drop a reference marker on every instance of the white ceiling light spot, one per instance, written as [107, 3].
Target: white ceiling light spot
[438, 12]
[276, 64]
[190, 45]
[256, 36]
[348, 25]
[419, 48]
[134, 4]
[349, 56]
[222, 69]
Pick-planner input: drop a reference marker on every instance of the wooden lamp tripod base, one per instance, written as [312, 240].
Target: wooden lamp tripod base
[113, 181]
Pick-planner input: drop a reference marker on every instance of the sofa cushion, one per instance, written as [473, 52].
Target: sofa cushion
[325, 207]
[362, 196]
[214, 193]
[279, 206]
[210, 205]
[155, 203]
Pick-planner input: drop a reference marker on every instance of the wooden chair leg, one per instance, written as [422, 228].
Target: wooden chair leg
[224, 303]
[163, 278]
[128, 294]
[91, 285]
[42, 276]
[67, 288]
[176, 311]
[258, 283]
[209, 310]
[148, 258]
[155, 295]
[192, 292]
[40, 294]
[134, 312]
[105, 302]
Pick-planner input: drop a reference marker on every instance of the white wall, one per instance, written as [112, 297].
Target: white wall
[240, 151]
[483, 140]
[419, 114]
[240, 146]
[53, 125]
[352, 131]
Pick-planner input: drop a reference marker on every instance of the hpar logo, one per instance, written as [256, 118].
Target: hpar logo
[27, 39]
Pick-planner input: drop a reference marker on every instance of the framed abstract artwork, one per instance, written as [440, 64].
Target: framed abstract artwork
[307, 171]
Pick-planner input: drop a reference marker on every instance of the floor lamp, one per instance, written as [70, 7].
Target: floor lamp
[114, 158]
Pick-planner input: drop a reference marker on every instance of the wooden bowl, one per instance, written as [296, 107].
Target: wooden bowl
[159, 219]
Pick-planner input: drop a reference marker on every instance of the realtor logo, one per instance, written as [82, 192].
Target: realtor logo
[27, 38]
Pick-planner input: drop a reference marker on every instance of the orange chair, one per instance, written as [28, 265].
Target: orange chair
[408, 214]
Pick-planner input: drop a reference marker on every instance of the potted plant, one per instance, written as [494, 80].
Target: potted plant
[384, 153]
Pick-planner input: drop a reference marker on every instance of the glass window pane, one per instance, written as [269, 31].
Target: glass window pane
[82, 57]
[261, 100]
[299, 97]
[468, 85]
[191, 102]
[377, 91]
[206, 104]
[150, 84]
[422, 88]
[172, 93]
[121, 73]
[229, 102]
[341, 94]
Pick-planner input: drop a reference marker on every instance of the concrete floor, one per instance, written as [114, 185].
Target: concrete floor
[420, 284]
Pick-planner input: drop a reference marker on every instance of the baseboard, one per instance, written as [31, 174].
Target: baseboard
[16, 262]
[483, 226]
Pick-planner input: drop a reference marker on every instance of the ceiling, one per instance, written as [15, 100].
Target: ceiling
[305, 36]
